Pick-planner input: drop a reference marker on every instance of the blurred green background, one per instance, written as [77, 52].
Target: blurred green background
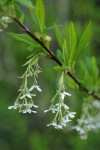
[29, 132]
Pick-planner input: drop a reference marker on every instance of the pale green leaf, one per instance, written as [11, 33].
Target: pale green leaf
[65, 52]
[20, 13]
[59, 55]
[22, 37]
[35, 20]
[59, 36]
[71, 42]
[84, 40]
[95, 69]
[26, 3]
[40, 12]
[70, 82]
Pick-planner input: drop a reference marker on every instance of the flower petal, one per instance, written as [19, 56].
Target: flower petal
[10, 107]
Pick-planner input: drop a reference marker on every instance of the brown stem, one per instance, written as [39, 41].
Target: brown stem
[53, 57]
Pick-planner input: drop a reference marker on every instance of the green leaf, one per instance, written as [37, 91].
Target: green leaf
[71, 42]
[35, 47]
[59, 55]
[65, 52]
[71, 83]
[89, 73]
[84, 75]
[58, 68]
[20, 13]
[26, 3]
[35, 20]
[59, 36]
[53, 27]
[22, 37]
[31, 47]
[40, 12]
[95, 70]
[84, 40]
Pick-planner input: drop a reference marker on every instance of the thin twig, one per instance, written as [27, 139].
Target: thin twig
[54, 58]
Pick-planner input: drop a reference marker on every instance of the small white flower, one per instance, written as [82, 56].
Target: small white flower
[64, 94]
[15, 106]
[58, 126]
[39, 89]
[10, 107]
[63, 123]
[35, 86]
[45, 111]
[5, 18]
[32, 87]
[23, 96]
[28, 95]
[32, 105]
[67, 118]
[79, 129]
[34, 111]
[53, 124]
[66, 107]
[54, 108]
[71, 114]
[28, 111]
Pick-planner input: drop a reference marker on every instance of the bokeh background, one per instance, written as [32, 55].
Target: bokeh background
[29, 132]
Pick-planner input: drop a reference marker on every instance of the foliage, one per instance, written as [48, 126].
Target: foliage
[71, 47]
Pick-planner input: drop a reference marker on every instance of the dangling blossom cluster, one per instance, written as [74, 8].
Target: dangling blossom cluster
[88, 121]
[59, 108]
[25, 102]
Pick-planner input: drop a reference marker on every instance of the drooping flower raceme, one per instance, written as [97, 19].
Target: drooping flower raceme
[89, 120]
[25, 102]
[59, 108]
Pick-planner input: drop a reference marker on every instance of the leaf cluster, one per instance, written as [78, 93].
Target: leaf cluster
[70, 47]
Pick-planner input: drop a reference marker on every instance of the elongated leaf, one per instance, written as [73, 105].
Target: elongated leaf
[60, 55]
[20, 13]
[40, 12]
[59, 36]
[22, 37]
[84, 75]
[71, 83]
[84, 40]
[26, 3]
[35, 20]
[71, 42]
[65, 52]
[95, 69]
[35, 48]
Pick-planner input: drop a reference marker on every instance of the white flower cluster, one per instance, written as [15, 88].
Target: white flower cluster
[25, 102]
[63, 122]
[26, 106]
[60, 109]
[63, 115]
[88, 121]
